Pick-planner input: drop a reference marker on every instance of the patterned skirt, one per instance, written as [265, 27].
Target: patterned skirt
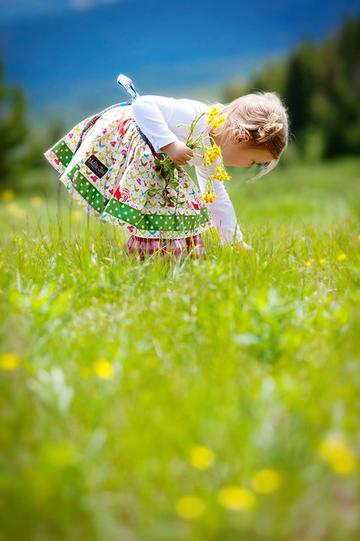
[142, 247]
[107, 166]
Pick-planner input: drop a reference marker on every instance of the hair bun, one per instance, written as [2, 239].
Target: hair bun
[271, 127]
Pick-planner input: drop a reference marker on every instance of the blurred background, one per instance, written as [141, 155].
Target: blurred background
[60, 60]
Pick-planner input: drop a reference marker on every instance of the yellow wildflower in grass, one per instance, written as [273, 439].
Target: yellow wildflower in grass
[36, 201]
[8, 194]
[322, 261]
[211, 154]
[266, 481]
[236, 498]
[339, 456]
[308, 263]
[220, 174]
[17, 211]
[341, 257]
[190, 507]
[77, 215]
[8, 362]
[358, 238]
[104, 369]
[201, 457]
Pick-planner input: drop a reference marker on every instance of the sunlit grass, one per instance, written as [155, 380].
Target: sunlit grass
[212, 399]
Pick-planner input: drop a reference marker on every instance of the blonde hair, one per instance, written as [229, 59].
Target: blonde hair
[261, 119]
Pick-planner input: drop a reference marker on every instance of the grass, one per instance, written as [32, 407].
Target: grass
[201, 400]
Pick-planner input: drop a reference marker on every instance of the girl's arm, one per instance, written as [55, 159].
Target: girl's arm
[152, 121]
[222, 210]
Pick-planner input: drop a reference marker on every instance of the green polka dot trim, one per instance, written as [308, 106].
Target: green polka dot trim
[88, 191]
[63, 152]
[156, 222]
[122, 211]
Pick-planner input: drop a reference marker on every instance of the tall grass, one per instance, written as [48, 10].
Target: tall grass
[212, 399]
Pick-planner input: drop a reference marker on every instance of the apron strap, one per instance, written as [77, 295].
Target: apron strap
[128, 85]
[124, 81]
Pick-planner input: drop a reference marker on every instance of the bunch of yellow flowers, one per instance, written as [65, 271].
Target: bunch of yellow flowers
[220, 174]
[209, 197]
[211, 154]
[214, 116]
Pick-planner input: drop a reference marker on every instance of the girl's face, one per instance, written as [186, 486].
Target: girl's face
[238, 155]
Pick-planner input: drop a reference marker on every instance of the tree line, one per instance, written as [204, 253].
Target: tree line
[320, 86]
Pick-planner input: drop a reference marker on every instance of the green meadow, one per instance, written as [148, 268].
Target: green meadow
[198, 400]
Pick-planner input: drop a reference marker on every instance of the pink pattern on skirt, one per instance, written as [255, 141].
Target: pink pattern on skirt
[142, 246]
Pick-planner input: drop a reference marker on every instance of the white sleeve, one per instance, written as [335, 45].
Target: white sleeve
[222, 210]
[151, 121]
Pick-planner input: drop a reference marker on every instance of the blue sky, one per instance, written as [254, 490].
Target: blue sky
[31, 9]
[66, 54]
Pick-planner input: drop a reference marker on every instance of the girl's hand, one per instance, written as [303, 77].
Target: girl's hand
[243, 246]
[178, 152]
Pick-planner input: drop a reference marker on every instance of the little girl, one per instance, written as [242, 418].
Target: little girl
[111, 163]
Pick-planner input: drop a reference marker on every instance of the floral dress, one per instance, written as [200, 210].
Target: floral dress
[108, 166]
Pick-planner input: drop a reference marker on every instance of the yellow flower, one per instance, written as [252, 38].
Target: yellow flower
[236, 498]
[104, 369]
[341, 257]
[214, 110]
[8, 362]
[266, 481]
[77, 215]
[190, 507]
[214, 116]
[8, 195]
[308, 263]
[208, 197]
[36, 201]
[322, 261]
[201, 457]
[358, 238]
[211, 154]
[16, 210]
[339, 456]
[220, 174]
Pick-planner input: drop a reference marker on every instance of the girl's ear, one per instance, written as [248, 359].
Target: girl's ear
[243, 136]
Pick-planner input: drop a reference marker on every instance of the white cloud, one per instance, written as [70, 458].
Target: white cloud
[25, 9]
[86, 4]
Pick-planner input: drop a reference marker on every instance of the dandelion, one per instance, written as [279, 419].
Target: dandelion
[8, 362]
[220, 174]
[201, 457]
[190, 507]
[266, 481]
[308, 263]
[36, 201]
[236, 498]
[8, 195]
[341, 257]
[339, 456]
[104, 369]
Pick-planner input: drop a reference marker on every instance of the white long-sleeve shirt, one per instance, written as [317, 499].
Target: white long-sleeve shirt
[165, 120]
